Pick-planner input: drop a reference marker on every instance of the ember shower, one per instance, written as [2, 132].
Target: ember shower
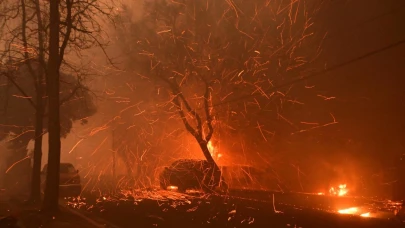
[243, 50]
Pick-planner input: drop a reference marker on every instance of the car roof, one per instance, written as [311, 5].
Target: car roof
[61, 164]
[184, 163]
[66, 164]
[242, 167]
[188, 161]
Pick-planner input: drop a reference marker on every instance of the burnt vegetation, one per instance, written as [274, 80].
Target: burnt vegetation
[216, 66]
[227, 80]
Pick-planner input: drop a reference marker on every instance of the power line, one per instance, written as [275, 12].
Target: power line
[327, 70]
[368, 21]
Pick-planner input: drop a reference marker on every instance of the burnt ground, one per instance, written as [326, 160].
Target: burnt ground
[14, 212]
[166, 209]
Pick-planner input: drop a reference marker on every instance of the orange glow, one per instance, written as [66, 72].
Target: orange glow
[351, 210]
[211, 148]
[354, 211]
[365, 214]
[172, 188]
[213, 151]
[340, 191]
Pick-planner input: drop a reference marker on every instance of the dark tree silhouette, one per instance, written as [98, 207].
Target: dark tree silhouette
[26, 34]
[65, 26]
[76, 104]
[52, 80]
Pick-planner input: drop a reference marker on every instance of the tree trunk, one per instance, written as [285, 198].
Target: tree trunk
[204, 147]
[36, 169]
[39, 115]
[50, 204]
[215, 172]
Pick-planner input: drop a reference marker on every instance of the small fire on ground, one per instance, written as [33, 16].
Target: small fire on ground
[354, 211]
[341, 190]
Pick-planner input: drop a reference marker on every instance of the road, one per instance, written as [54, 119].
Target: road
[170, 209]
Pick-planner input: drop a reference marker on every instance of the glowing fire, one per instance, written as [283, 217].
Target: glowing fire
[351, 210]
[340, 191]
[365, 214]
[172, 188]
[213, 151]
[354, 211]
[211, 148]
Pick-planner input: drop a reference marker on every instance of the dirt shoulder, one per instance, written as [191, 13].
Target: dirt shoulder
[30, 216]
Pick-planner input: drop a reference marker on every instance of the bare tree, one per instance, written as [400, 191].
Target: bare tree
[26, 31]
[52, 81]
[211, 52]
[79, 23]
[76, 104]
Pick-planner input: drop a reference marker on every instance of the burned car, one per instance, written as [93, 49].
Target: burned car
[69, 180]
[187, 174]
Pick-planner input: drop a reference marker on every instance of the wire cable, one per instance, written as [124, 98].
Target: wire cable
[316, 74]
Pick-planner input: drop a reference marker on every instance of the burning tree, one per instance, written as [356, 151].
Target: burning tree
[26, 37]
[222, 61]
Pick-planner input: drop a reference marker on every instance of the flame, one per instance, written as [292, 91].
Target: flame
[351, 210]
[213, 151]
[340, 191]
[172, 188]
[365, 214]
[211, 148]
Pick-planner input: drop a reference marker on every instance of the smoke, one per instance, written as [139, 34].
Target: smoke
[119, 98]
[149, 137]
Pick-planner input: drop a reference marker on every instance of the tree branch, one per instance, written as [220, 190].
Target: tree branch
[69, 25]
[183, 117]
[9, 77]
[25, 43]
[67, 98]
[66, 23]
[207, 97]
[178, 94]
[40, 37]
[191, 111]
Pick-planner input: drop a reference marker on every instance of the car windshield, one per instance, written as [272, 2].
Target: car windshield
[67, 168]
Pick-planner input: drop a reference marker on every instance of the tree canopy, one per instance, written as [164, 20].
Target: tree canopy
[17, 117]
[218, 64]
